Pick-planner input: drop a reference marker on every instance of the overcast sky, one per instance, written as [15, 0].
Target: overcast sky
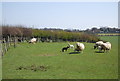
[70, 15]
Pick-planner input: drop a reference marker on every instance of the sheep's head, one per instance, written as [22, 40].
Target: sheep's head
[95, 46]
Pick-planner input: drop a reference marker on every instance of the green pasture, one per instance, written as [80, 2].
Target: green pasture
[60, 65]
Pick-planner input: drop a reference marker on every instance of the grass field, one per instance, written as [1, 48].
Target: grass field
[61, 65]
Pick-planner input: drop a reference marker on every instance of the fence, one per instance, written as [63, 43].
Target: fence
[6, 43]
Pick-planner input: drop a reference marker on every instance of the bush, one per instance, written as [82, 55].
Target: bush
[45, 35]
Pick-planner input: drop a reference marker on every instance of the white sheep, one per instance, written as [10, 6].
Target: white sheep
[33, 40]
[109, 45]
[80, 46]
[98, 44]
[105, 46]
[70, 45]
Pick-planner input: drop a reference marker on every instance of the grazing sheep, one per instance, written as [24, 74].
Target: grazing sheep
[98, 44]
[80, 46]
[70, 45]
[65, 49]
[105, 46]
[109, 45]
[33, 40]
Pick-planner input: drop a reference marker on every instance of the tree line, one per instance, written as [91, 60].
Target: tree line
[103, 30]
[46, 35]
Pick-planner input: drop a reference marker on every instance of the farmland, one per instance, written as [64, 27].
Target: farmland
[60, 65]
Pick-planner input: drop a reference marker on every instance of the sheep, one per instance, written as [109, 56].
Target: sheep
[70, 45]
[98, 44]
[33, 40]
[105, 46]
[65, 49]
[80, 47]
[108, 45]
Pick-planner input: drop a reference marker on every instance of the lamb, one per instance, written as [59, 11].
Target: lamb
[80, 46]
[33, 40]
[65, 49]
[70, 45]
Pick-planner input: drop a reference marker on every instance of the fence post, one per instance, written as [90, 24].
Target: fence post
[1, 49]
[24, 39]
[21, 38]
[38, 39]
[8, 41]
[14, 41]
[5, 46]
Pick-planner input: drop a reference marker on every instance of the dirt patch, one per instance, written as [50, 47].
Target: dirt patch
[33, 68]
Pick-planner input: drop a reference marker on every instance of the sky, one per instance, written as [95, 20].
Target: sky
[64, 15]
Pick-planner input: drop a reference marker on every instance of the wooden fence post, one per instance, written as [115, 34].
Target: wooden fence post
[1, 49]
[21, 38]
[5, 46]
[8, 41]
[14, 41]
[38, 39]
[24, 39]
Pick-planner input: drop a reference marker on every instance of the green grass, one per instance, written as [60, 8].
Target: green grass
[62, 65]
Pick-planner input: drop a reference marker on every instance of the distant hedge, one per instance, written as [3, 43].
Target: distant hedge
[55, 35]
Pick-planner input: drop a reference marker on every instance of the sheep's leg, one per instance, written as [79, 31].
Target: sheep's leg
[107, 51]
[74, 50]
[62, 50]
[104, 51]
[66, 50]
[99, 50]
